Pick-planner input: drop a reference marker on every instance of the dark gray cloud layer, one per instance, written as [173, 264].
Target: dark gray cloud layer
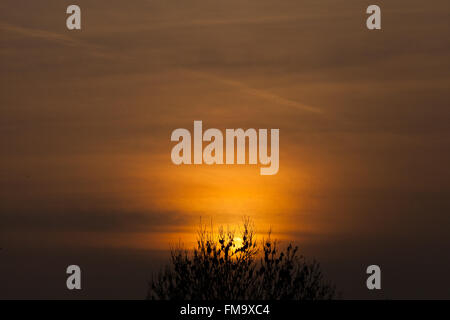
[95, 221]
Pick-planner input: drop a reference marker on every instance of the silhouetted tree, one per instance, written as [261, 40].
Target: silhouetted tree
[219, 268]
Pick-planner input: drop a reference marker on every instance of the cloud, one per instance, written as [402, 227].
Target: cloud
[55, 37]
[41, 34]
[95, 221]
[262, 94]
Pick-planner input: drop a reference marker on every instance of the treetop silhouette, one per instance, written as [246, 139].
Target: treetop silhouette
[219, 268]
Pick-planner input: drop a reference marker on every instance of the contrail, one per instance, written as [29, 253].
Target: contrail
[258, 92]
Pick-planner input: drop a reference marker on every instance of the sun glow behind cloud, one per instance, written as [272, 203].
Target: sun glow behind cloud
[88, 148]
[223, 195]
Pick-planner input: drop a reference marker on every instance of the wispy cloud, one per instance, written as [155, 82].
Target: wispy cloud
[97, 221]
[259, 93]
[41, 34]
[55, 37]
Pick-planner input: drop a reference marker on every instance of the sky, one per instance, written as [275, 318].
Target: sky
[86, 118]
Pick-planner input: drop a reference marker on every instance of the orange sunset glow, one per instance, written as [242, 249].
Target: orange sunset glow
[87, 116]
